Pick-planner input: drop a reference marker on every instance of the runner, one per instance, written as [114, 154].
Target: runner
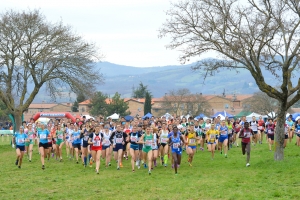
[134, 137]
[118, 139]
[270, 131]
[230, 133]
[261, 129]
[154, 146]
[191, 140]
[60, 137]
[175, 140]
[164, 147]
[254, 127]
[223, 139]
[297, 130]
[286, 135]
[84, 134]
[76, 143]
[43, 135]
[245, 134]
[106, 145]
[19, 140]
[95, 141]
[29, 143]
[290, 123]
[147, 140]
[211, 137]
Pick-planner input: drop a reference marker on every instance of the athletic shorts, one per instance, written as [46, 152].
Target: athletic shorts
[203, 135]
[298, 135]
[85, 144]
[192, 147]
[176, 151]
[163, 144]
[146, 149]
[44, 145]
[78, 146]
[49, 144]
[105, 147]
[124, 146]
[134, 147]
[254, 132]
[118, 147]
[271, 137]
[28, 143]
[222, 139]
[22, 148]
[211, 142]
[140, 147]
[286, 136]
[59, 141]
[93, 148]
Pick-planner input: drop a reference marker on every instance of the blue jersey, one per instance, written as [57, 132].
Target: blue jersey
[217, 126]
[76, 137]
[175, 143]
[20, 138]
[43, 135]
[223, 131]
[172, 133]
[297, 128]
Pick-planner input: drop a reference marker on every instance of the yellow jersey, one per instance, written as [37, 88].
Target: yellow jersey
[212, 135]
[191, 138]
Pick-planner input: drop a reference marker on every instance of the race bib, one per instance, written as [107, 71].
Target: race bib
[96, 143]
[86, 138]
[60, 137]
[260, 127]
[148, 143]
[247, 134]
[133, 139]
[270, 131]
[223, 133]
[106, 142]
[30, 136]
[43, 136]
[176, 145]
[212, 136]
[298, 131]
[21, 141]
[192, 141]
[49, 140]
[119, 140]
[163, 140]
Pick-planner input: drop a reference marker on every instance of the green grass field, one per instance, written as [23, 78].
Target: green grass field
[221, 178]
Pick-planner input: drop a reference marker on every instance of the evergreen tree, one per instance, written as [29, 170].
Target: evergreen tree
[80, 98]
[147, 105]
[117, 105]
[140, 92]
[98, 104]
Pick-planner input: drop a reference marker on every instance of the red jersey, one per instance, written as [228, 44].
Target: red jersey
[97, 141]
[261, 125]
[245, 134]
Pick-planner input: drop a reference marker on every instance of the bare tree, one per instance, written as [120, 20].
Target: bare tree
[261, 103]
[197, 104]
[35, 51]
[175, 101]
[260, 36]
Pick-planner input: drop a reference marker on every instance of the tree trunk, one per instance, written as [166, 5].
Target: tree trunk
[279, 133]
[18, 120]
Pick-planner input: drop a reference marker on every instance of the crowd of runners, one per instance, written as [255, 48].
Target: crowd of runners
[148, 142]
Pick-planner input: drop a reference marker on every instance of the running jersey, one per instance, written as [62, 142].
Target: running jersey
[96, 140]
[175, 143]
[254, 125]
[30, 135]
[212, 135]
[297, 129]
[223, 131]
[261, 124]
[20, 138]
[154, 143]
[217, 126]
[207, 127]
[270, 129]
[60, 135]
[246, 134]
[290, 124]
[76, 137]
[43, 135]
[230, 127]
[106, 139]
[164, 136]
[191, 138]
[118, 137]
[148, 139]
[134, 137]
[198, 130]
[242, 124]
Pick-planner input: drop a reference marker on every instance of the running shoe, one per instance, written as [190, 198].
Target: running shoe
[248, 164]
[190, 164]
[126, 157]
[118, 168]
[17, 161]
[77, 162]
[136, 163]
[221, 152]
[121, 165]
[155, 163]
[139, 167]
[149, 172]
[145, 165]
[97, 171]
[19, 167]
[43, 167]
[133, 170]
[29, 160]
[225, 155]
[52, 155]
[109, 164]
[60, 160]
[165, 165]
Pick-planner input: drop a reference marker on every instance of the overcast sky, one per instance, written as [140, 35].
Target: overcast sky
[125, 30]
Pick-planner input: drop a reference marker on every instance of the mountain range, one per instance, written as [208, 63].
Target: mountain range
[160, 80]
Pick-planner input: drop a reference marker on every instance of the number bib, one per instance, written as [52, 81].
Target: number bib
[30, 136]
[192, 141]
[21, 141]
[86, 138]
[106, 142]
[247, 134]
[60, 137]
[163, 140]
[43, 136]
[148, 143]
[133, 139]
[260, 128]
[96, 143]
[119, 140]
[176, 145]
[270, 131]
